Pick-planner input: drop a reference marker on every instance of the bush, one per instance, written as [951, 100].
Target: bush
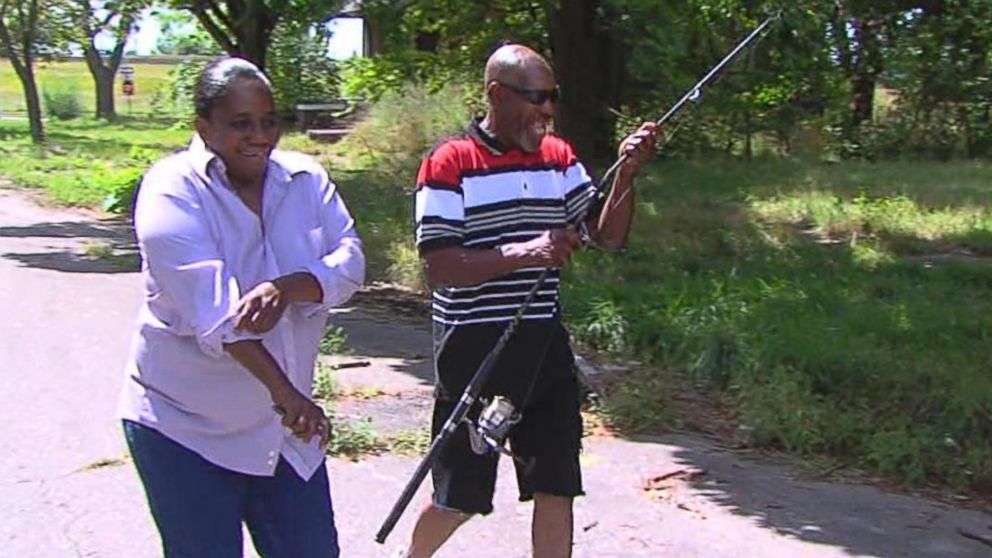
[370, 79]
[299, 68]
[175, 100]
[402, 127]
[62, 102]
[123, 184]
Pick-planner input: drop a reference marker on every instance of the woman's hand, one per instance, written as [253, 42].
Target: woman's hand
[259, 310]
[301, 415]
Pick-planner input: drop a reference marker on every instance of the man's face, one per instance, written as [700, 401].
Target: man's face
[243, 129]
[525, 106]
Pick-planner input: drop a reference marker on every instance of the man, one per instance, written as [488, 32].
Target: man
[493, 208]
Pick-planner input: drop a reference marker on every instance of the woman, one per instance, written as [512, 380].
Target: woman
[245, 248]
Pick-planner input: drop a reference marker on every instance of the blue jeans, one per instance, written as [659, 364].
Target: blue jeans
[199, 507]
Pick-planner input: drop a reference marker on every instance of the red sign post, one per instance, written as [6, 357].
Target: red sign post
[127, 85]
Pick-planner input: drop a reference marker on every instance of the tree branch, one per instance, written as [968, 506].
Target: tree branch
[214, 29]
[118, 54]
[226, 19]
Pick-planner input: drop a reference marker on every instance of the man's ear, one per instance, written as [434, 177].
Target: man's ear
[492, 92]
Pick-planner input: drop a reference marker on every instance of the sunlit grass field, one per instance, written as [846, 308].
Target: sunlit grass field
[74, 75]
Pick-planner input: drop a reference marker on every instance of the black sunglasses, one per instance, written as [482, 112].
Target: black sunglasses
[533, 96]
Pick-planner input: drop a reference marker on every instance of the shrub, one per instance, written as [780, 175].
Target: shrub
[299, 68]
[175, 100]
[371, 79]
[62, 102]
[402, 127]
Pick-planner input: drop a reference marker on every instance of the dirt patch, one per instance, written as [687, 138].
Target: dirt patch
[390, 414]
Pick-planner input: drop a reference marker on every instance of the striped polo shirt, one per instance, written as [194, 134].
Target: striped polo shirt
[475, 193]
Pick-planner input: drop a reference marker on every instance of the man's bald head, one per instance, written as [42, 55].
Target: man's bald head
[520, 92]
[514, 64]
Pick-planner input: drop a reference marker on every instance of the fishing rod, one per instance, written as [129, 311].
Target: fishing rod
[497, 418]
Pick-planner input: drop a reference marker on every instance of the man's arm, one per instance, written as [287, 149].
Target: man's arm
[464, 267]
[612, 227]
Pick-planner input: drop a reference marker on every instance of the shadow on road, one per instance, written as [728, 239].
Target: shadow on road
[864, 520]
[105, 246]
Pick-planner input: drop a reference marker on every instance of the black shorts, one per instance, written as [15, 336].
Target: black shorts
[550, 431]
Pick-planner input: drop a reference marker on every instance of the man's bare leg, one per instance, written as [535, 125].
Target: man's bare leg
[551, 531]
[433, 528]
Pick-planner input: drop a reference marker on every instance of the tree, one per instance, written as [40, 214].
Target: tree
[244, 27]
[589, 56]
[22, 35]
[182, 34]
[90, 18]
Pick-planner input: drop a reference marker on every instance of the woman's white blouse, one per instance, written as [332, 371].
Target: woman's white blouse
[202, 248]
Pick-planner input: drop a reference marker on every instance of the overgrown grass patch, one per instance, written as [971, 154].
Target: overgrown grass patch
[849, 348]
[84, 162]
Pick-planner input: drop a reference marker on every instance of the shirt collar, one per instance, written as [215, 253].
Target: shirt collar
[281, 168]
[484, 138]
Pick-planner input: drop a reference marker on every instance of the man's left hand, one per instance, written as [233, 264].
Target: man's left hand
[639, 147]
[259, 310]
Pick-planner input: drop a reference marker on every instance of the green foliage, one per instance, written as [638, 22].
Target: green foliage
[746, 278]
[62, 103]
[372, 78]
[175, 100]
[182, 34]
[87, 162]
[325, 386]
[299, 68]
[402, 126]
[397, 132]
[641, 402]
[414, 442]
[354, 439]
[334, 341]
[604, 327]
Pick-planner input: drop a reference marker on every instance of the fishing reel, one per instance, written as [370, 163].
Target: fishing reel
[488, 433]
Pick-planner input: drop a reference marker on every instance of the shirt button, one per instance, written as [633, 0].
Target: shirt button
[272, 454]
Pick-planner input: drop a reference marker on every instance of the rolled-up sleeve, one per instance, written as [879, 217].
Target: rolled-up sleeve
[184, 262]
[341, 270]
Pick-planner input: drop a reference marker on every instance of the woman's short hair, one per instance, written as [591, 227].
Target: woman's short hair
[216, 79]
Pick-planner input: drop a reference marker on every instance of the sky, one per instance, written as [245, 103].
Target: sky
[346, 40]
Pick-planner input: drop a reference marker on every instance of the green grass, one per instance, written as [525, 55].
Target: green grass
[84, 161]
[74, 75]
[750, 279]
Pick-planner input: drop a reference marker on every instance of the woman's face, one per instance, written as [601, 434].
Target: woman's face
[242, 129]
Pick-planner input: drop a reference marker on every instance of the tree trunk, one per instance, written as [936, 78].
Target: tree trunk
[33, 102]
[25, 72]
[865, 74]
[243, 32]
[104, 72]
[253, 32]
[34, 110]
[862, 98]
[374, 41]
[589, 61]
[856, 30]
[748, 137]
[103, 80]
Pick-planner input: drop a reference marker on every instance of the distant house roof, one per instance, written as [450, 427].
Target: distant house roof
[351, 8]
